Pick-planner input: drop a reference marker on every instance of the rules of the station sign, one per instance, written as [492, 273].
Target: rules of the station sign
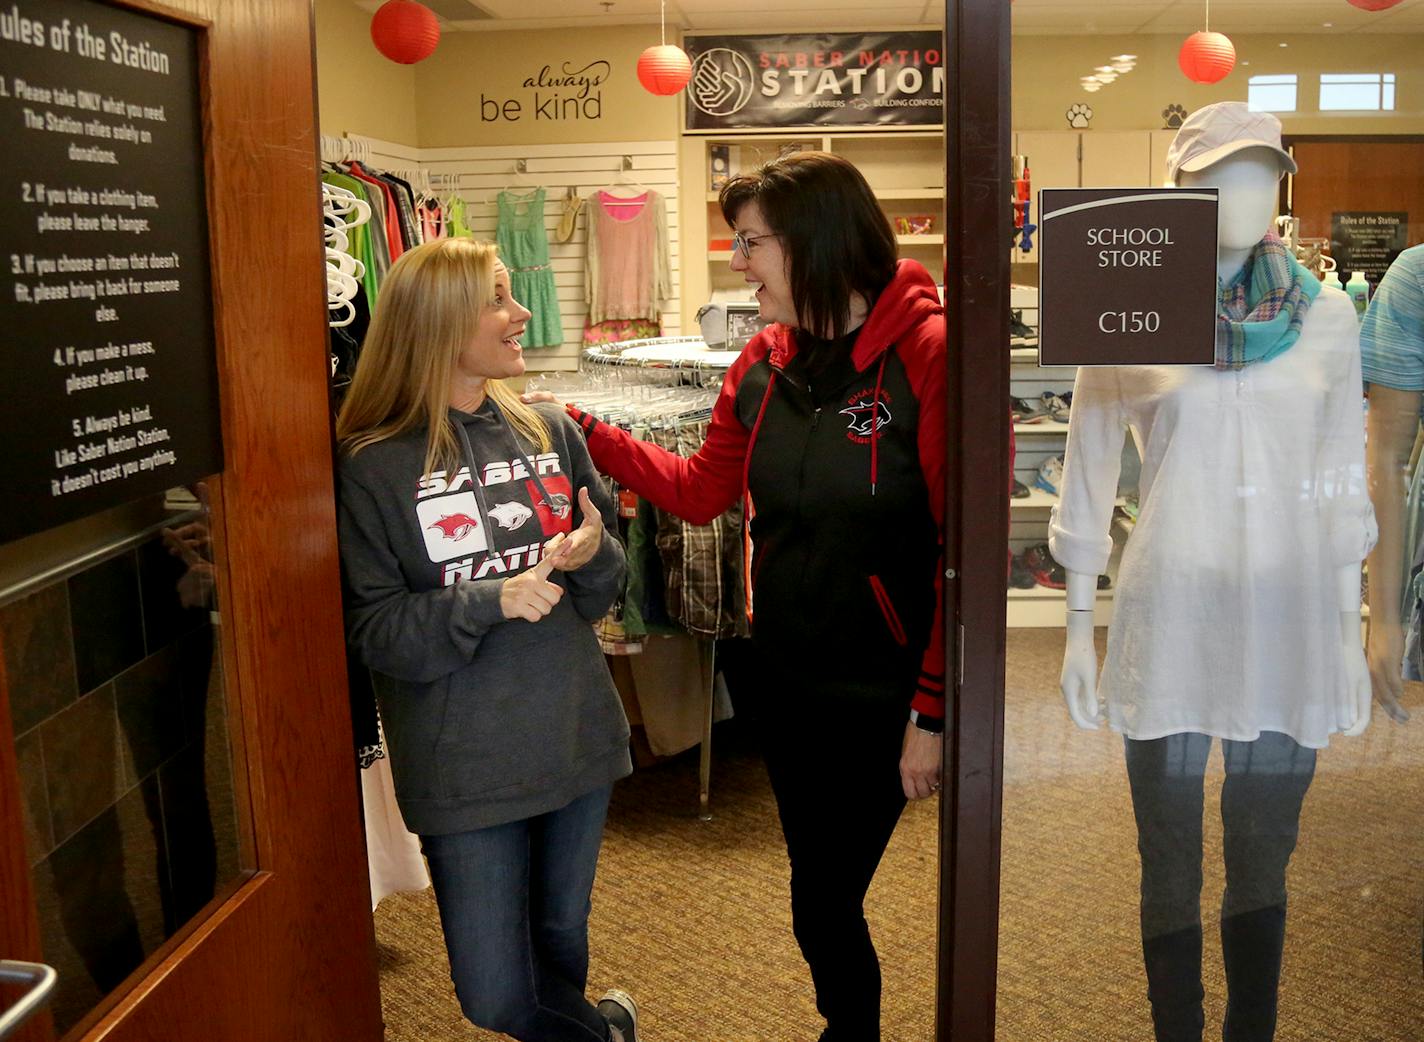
[1127, 276]
[110, 390]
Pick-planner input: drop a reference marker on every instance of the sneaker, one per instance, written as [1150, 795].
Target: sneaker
[1050, 475]
[1060, 406]
[1020, 578]
[1044, 569]
[621, 1012]
[1021, 491]
[1020, 333]
[1028, 410]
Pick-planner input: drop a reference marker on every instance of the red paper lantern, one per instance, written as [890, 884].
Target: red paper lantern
[405, 31]
[1207, 57]
[664, 69]
[1374, 5]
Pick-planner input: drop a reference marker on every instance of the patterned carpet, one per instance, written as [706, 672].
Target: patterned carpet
[692, 917]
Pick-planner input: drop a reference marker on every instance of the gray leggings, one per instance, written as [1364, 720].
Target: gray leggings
[1266, 782]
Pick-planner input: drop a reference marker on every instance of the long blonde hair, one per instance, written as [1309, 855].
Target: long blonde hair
[429, 310]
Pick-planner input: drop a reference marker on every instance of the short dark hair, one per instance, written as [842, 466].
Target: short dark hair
[837, 239]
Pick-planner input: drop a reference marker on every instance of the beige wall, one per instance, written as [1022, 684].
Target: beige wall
[359, 91]
[465, 90]
[1047, 68]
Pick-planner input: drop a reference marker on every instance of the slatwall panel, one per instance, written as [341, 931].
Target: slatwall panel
[477, 174]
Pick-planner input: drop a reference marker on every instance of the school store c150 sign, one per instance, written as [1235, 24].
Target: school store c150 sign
[817, 80]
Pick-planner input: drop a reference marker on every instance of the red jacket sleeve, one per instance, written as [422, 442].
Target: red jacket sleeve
[697, 488]
[923, 353]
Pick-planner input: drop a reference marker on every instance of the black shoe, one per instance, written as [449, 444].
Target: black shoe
[1020, 578]
[1020, 333]
[1021, 491]
[621, 1012]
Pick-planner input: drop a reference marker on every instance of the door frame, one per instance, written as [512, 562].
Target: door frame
[978, 223]
[292, 946]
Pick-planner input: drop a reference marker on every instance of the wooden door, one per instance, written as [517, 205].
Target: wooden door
[289, 953]
[1377, 175]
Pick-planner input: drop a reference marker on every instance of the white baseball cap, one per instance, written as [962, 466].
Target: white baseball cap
[1212, 133]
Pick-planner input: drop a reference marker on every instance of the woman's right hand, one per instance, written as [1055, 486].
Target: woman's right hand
[530, 595]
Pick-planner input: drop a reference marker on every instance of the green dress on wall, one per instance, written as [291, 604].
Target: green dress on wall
[524, 248]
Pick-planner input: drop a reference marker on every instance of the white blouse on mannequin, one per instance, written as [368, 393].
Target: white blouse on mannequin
[1253, 496]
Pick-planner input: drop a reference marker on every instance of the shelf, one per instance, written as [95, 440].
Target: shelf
[1044, 593]
[1037, 499]
[1041, 427]
[920, 240]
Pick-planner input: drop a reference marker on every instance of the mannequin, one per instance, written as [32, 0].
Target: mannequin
[1247, 183]
[1238, 603]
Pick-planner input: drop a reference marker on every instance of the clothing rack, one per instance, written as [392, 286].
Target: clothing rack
[662, 352]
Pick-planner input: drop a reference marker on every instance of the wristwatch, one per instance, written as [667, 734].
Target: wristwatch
[928, 724]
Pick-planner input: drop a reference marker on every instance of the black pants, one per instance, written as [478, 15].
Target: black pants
[1266, 783]
[834, 761]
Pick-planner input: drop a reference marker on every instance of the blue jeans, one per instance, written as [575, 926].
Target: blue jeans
[514, 902]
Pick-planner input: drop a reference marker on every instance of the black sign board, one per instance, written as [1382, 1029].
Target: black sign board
[1368, 242]
[1127, 276]
[822, 80]
[110, 389]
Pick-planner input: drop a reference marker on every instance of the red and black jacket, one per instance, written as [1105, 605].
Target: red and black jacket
[846, 486]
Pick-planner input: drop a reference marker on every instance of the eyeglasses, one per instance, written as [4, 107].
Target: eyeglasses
[744, 244]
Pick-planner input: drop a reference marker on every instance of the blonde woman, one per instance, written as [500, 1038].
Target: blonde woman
[472, 574]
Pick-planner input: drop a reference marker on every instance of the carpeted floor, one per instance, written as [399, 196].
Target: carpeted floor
[692, 917]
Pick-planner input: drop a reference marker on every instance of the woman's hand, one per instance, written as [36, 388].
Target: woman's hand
[530, 595]
[540, 396]
[921, 760]
[586, 539]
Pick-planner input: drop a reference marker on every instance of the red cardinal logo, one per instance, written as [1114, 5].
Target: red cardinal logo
[456, 526]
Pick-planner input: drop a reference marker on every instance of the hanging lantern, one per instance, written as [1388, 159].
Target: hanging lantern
[1207, 57]
[664, 69]
[405, 31]
[1374, 5]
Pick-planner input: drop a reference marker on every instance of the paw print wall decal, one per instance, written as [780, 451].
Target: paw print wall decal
[1173, 115]
[1079, 115]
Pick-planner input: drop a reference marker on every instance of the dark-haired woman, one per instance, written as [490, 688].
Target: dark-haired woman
[832, 424]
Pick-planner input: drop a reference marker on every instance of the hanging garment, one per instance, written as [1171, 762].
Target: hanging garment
[628, 273]
[361, 244]
[455, 222]
[616, 330]
[524, 248]
[385, 219]
[1253, 498]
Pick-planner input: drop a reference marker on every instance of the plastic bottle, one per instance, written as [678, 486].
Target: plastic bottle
[1359, 290]
[1332, 278]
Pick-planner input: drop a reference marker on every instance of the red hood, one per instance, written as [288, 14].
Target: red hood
[910, 297]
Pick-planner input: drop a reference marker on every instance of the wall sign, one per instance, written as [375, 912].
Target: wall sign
[567, 93]
[1127, 276]
[821, 80]
[1368, 242]
[111, 381]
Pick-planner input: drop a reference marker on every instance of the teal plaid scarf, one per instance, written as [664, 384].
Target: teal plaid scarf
[1260, 311]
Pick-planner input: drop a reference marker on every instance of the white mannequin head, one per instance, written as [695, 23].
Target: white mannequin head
[1248, 184]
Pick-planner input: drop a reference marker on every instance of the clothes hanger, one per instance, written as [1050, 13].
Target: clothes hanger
[624, 181]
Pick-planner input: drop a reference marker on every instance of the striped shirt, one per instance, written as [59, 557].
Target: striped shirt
[1392, 336]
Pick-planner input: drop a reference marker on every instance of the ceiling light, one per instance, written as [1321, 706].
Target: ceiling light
[1092, 88]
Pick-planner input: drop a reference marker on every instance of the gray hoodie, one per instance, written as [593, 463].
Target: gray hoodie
[487, 720]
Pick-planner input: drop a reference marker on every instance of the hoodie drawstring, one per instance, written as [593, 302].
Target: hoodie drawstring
[875, 422]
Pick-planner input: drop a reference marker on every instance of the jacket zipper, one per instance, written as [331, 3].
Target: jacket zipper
[887, 611]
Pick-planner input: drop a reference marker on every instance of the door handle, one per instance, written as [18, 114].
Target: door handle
[41, 979]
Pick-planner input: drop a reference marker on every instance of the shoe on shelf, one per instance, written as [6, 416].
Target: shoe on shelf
[1021, 491]
[618, 1008]
[1028, 410]
[1044, 569]
[1020, 578]
[1050, 475]
[1060, 406]
[1020, 333]
[1104, 582]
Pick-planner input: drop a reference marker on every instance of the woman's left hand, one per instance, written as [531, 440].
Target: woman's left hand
[587, 538]
[921, 763]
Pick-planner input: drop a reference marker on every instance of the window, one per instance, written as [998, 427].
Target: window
[1357, 92]
[1271, 93]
